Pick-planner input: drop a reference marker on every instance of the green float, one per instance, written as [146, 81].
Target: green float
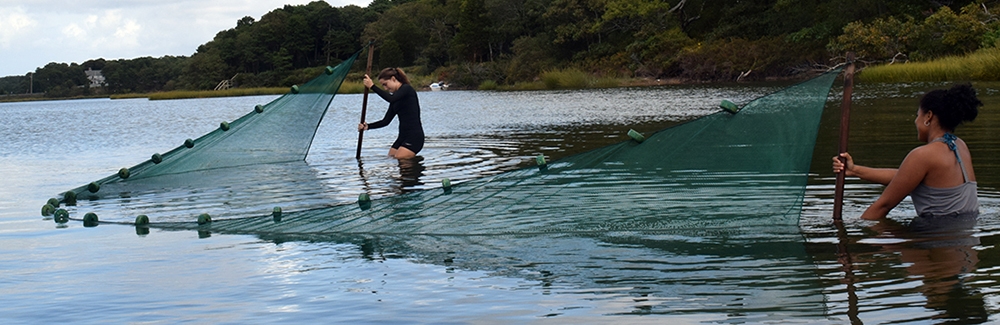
[259, 109]
[224, 126]
[329, 70]
[295, 89]
[540, 160]
[61, 216]
[48, 210]
[90, 219]
[93, 187]
[364, 201]
[446, 185]
[189, 143]
[156, 158]
[123, 173]
[70, 198]
[53, 202]
[141, 220]
[276, 213]
[729, 106]
[204, 218]
[635, 135]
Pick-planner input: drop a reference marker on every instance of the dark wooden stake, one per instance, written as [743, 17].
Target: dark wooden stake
[364, 101]
[845, 121]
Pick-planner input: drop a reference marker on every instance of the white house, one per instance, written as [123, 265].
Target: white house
[95, 77]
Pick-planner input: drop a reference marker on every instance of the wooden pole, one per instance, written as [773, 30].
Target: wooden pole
[845, 121]
[364, 101]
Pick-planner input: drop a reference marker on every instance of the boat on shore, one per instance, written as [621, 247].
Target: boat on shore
[439, 86]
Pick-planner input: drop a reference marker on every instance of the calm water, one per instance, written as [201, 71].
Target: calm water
[864, 272]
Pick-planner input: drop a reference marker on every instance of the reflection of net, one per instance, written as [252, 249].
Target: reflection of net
[728, 172]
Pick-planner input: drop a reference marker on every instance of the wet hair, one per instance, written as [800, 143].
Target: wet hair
[388, 73]
[952, 106]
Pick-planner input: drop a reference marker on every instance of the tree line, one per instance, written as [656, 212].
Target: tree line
[467, 42]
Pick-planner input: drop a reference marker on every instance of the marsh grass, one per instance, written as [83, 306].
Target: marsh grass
[351, 87]
[982, 65]
[550, 80]
[489, 85]
[179, 94]
[565, 79]
[348, 87]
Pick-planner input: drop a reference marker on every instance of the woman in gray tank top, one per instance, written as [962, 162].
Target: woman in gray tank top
[938, 176]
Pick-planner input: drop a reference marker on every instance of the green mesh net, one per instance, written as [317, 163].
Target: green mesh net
[266, 144]
[706, 209]
[740, 168]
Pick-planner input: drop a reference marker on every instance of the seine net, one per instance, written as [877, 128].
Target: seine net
[725, 172]
[706, 210]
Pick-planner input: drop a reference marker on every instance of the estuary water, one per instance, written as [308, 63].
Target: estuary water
[861, 272]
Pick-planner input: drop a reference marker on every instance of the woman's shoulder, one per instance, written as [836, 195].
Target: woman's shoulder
[407, 90]
[928, 149]
[934, 153]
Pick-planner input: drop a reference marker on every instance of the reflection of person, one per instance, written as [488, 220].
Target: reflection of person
[403, 102]
[939, 250]
[938, 176]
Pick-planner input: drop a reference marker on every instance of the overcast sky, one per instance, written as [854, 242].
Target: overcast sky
[36, 32]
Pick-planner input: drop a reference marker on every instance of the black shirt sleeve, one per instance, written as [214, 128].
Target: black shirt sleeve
[404, 91]
[389, 115]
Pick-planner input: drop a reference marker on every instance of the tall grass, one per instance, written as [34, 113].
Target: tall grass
[565, 79]
[489, 85]
[351, 87]
[179, 94]
[348, 87]
[982, 65]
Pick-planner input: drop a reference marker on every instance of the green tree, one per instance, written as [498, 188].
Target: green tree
[882, 39]
[204, 69]
[13, 85]
[948, 33]
[403, 30]
[939, 34]
[472, 40]
[60, 77]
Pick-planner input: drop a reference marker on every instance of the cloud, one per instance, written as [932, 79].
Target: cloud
[36, 32]
[74, 31]
[112, 32]
[14, 23]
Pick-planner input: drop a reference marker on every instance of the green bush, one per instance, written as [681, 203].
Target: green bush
[942, 33]
[488, 85]
[566, 79]
[726, 60]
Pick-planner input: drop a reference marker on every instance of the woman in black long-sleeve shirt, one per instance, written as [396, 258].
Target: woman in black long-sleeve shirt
[403, 102]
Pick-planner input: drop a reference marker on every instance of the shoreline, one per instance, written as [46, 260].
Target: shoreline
[349, 87]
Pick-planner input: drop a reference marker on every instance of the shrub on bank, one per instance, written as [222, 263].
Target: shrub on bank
[488, 85]
[565, 79]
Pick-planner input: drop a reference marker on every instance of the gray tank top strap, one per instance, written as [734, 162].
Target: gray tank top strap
[949, 139]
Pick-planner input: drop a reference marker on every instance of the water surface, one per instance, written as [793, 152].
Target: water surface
[864, 272]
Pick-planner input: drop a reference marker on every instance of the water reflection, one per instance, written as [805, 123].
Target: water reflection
[754, 279]
[938, 251]
[614, 275]
[410, 171]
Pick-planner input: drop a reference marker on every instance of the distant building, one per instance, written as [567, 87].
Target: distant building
[95, 77]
